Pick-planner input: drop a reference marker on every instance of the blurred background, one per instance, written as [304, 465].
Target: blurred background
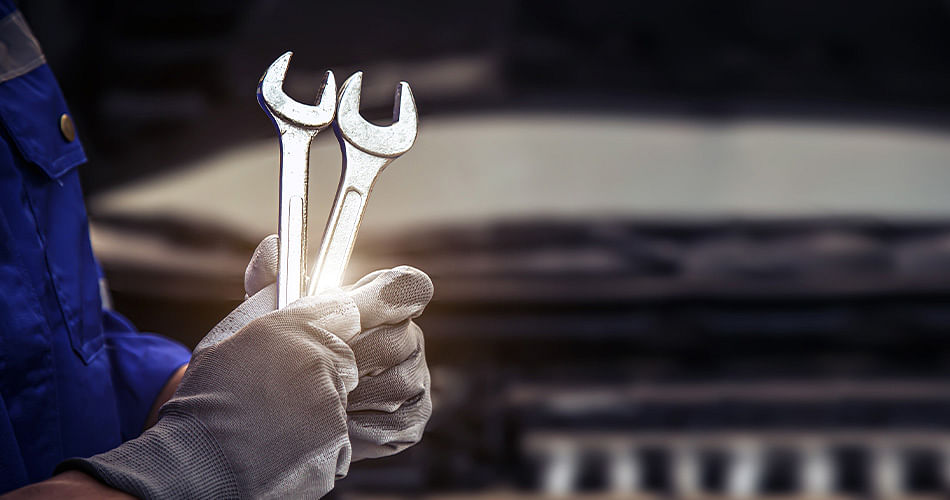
[681, 249]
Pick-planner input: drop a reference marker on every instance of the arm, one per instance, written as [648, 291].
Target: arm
[70, 484]
[165, 395]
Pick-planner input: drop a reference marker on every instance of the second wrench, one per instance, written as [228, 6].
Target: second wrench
[367, 150]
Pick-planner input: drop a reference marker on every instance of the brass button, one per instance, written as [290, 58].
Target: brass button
[67, 128]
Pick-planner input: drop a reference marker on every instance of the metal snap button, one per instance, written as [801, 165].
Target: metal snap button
[67, 128]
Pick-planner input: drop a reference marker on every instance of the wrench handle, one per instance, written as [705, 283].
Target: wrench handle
[338, 241]
[292, 219]
[360, 171]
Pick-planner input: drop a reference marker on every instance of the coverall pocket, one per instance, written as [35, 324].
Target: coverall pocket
[71, 269]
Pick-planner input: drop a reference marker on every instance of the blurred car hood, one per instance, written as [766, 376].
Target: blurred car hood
[477, 168]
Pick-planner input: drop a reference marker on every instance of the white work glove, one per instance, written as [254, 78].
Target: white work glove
[261, 410]
[390, 406]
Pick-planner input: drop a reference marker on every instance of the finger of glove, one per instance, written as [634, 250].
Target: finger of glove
[385, 346]
[331, 311]
[378, 434]
[391, 296]
[308, 337]
[393, 388]
[306, 331]
[255, 306]
[262, 268]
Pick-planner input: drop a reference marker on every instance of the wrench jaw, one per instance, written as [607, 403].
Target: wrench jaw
[284, 110]
[390, 141]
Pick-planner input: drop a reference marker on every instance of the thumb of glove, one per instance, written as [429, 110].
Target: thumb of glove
[262, 269]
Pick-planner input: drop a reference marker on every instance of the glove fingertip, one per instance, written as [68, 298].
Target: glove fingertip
[415, 279]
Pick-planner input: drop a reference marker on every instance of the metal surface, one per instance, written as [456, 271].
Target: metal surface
[367, 150]
[67, 128]
[298, 124]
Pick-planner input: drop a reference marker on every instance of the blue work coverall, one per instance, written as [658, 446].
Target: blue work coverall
[75, 379]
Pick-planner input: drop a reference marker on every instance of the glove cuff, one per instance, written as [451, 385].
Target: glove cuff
[176, 458]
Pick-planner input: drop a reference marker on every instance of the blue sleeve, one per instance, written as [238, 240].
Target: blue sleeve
[141, 365]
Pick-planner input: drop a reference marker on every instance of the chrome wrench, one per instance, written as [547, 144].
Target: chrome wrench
[297, 124]
[367, 150]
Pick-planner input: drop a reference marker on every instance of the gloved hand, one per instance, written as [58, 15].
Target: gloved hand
[262, 408]
[390, 406]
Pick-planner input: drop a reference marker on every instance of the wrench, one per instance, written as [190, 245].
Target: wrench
[297, 124]
[367, 150]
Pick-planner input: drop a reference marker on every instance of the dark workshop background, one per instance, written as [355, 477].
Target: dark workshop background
[680, 248]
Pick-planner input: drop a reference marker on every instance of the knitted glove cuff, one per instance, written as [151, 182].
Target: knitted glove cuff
[176, 458]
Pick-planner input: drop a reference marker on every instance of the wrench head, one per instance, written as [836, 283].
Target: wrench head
[388, 142]
[271, 96]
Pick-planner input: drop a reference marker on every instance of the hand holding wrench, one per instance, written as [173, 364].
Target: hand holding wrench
[367, 150]
[297, 124]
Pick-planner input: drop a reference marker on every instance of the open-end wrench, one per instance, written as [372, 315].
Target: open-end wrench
[367, 150]
[297, 124]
